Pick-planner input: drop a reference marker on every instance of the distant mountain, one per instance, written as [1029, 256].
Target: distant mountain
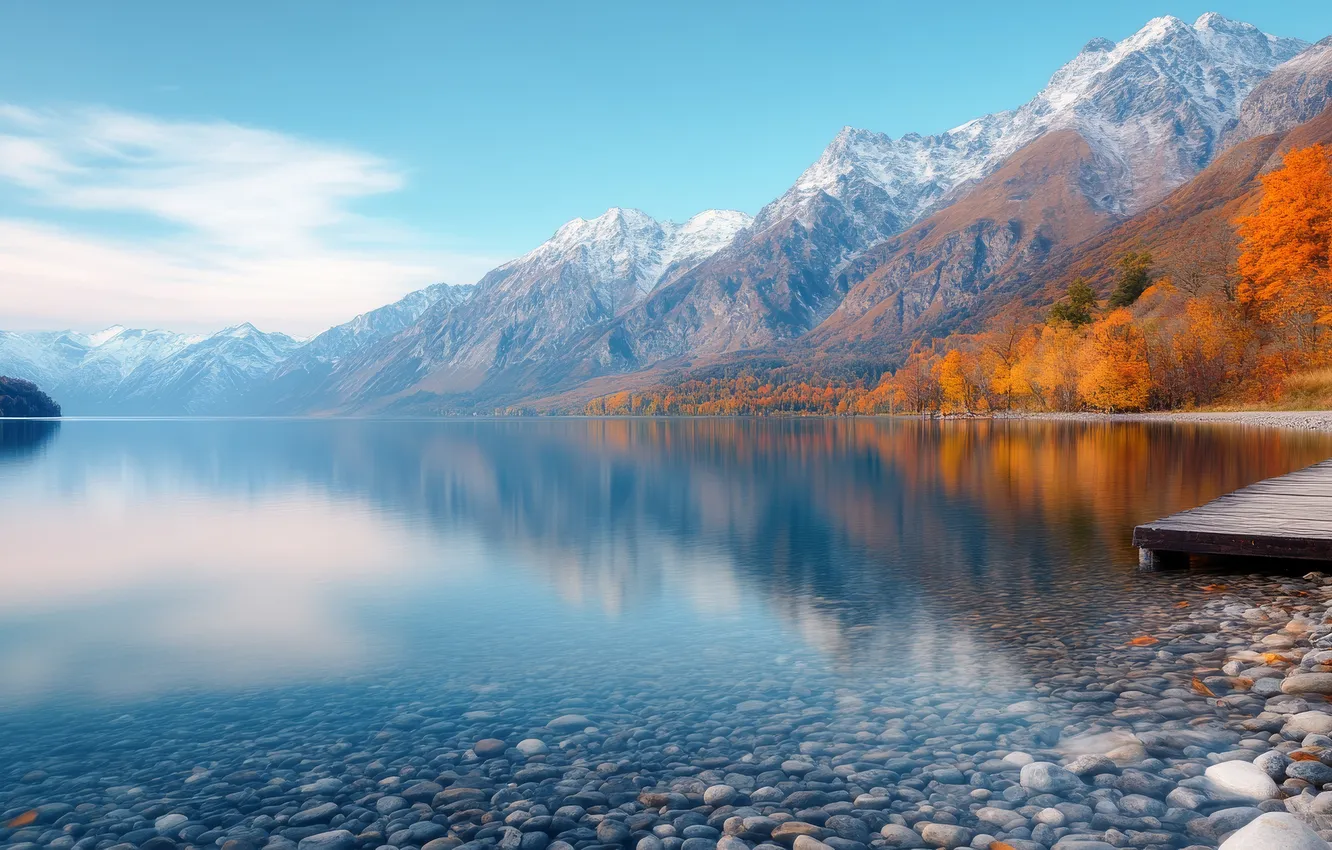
[213, 375]
[121, 371]
[130, 371]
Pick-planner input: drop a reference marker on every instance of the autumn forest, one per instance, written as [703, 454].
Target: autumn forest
[1244, 319]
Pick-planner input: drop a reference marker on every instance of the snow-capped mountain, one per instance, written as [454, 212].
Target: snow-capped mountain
[1149, 112]
[128, 370]
[538, 306]
[213, 375]
[1127, 121]
[86, 370]
[622, 254]
[878, 242]
[137, 372]
[369, 327]
[1153, 107]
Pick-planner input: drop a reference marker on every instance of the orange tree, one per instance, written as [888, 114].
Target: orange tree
[1287, 248]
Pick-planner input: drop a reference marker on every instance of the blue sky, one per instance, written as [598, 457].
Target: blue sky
[294, 163]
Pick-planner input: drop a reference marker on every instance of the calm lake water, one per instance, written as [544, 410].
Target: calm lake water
[183, 594]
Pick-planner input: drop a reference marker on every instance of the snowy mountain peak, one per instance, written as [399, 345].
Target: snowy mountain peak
[624, 244]
[1220, 23]
[1151, 106]
[244, 329]
[715, 224]
[96, 339]
[700, 237]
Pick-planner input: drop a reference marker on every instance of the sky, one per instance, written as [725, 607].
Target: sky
[194, 166]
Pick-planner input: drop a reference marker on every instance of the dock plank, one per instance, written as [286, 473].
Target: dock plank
[1285, 517]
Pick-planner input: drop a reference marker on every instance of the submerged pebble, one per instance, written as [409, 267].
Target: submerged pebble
[1201, 726]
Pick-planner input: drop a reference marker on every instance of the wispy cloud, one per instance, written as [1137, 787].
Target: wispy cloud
[251, 225]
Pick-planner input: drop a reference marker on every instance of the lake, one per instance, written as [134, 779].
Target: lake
[206, 620]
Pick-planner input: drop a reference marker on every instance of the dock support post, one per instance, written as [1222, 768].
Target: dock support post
[1152, 560]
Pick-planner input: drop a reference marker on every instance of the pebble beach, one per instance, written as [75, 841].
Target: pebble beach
[1211, 728]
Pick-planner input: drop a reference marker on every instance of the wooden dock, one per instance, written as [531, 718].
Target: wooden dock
[1285, 517]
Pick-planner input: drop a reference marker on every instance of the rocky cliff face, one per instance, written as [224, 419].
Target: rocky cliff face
[1296, 92]
[538, 307]
[931, 278]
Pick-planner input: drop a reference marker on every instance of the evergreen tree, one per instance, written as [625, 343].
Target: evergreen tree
[1135, 275]
[1077, 310]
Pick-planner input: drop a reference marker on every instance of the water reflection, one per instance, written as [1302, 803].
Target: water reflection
[21, 438]
[145, 557]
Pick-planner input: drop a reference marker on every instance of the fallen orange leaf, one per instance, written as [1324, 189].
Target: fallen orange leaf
[1301, 755]
[1272, 657]
[1000, 845]
[23, 820]
[1145, 640]
[1181, 604]
[1201, 687]
[1213, 588]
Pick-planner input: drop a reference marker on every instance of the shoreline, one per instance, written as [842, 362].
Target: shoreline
[1298, 420]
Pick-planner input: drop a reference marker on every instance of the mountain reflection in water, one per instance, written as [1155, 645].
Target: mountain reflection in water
[144, 557]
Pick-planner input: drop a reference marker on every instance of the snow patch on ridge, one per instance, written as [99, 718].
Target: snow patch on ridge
[1151, 106]
[630, 245]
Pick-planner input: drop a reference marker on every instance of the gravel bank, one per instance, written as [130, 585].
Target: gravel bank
[1300, 420]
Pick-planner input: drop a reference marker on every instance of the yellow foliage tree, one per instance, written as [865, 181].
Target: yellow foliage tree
[1047, 371]
[1115, 376]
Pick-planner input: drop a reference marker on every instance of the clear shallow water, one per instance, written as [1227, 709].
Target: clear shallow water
[187, 595]
[147, 557]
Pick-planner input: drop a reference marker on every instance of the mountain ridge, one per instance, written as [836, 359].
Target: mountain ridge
[1151, 108]
[879, 242]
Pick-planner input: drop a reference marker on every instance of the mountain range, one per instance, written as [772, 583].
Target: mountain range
[879, 243]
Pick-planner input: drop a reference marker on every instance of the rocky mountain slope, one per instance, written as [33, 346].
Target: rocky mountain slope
[1295, 92]
[299, 383]
[1190, 233]
[1148, 114]
[1114, 131]
[538, 307]
[934, 276]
